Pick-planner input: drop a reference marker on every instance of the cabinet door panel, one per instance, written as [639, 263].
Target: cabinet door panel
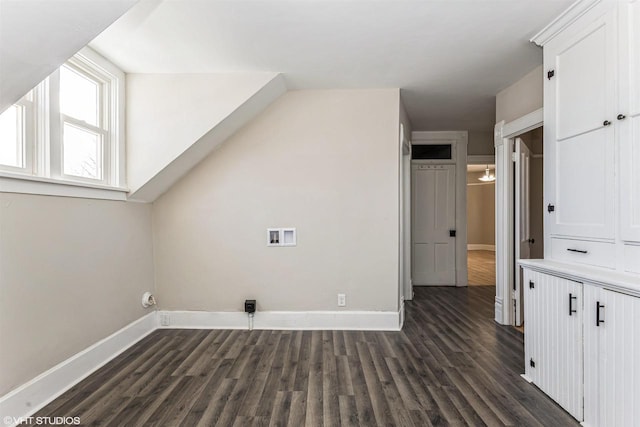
[629, 127]
[579, 170]
[591, 357]
[619, 368]
[531, 324]
[581, 99]
[556, 340]
[584, 185]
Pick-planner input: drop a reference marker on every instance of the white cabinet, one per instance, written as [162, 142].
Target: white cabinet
[579, 118]
[553, 344]
[592, 134]
[612, 348]
[629, 123]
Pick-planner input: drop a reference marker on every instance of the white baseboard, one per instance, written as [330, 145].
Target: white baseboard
[480, 247]
[283, 320]
[40, 391]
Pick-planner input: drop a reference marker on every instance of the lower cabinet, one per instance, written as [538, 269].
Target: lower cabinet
[582, 348]
[612, 358]
[553, 338]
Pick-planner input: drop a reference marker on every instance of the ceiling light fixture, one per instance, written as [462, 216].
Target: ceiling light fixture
[487, 177]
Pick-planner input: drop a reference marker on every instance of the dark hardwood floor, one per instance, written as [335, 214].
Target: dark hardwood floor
[451, 365]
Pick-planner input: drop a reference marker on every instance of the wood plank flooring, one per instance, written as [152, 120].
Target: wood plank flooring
[481, 268]
[450, 365]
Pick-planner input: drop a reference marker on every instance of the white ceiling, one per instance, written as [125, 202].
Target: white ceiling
[449, 57]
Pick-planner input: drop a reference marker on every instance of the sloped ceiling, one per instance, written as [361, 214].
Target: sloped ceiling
[450, 58]
[37, 36]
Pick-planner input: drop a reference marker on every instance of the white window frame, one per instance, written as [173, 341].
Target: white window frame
[43, 136]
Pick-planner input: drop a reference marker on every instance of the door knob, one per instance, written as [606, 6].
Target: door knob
[606, 123]
[621, 117]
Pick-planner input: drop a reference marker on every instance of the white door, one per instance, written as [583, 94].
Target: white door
[522, 221]
[433, 224]
[580, 131]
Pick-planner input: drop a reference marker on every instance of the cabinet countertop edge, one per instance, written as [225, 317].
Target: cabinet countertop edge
[612, 280]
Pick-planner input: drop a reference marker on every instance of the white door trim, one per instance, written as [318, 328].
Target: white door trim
[504, 136]
[405, 217]
[460, 140]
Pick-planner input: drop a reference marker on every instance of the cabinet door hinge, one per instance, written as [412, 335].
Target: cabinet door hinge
[531, 284]
[532, 363]
[550, 74]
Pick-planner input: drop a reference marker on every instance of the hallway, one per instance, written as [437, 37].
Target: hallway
[481, 267]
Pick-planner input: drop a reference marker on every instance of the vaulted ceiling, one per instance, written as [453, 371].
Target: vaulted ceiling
[37, 36]
[449, 57]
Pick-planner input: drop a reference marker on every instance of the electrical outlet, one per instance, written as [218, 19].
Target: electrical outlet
[164, 319]
[342, 300]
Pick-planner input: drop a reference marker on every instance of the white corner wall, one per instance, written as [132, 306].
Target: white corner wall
[175, 120]
[72, 272]
[325, 162]
[521, 98]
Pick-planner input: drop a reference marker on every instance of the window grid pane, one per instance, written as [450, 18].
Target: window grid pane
[12, 137]
[79, 96]
[82, 152]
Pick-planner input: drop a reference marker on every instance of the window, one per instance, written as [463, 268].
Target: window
[12, 137]
[16, 125]
[68, 128]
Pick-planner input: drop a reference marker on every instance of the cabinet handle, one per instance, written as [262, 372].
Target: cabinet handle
[606, 123]
[621, 117]
[598, 307]
[580, 251]
[532, 241]
[571, 298]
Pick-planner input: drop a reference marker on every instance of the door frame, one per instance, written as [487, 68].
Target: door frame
[406, 287]
[504, 137]
[459, 140]
[519, 215]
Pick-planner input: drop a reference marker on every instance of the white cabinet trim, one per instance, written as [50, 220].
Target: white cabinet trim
[566, 18]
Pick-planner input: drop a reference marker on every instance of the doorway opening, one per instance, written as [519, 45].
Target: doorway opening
[481, 244]
[438, 208]
[508, 300]
[528, 211]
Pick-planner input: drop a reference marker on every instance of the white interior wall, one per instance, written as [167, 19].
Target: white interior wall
[72, 272]
[325, 162]
[168, 113]
[481, 228]
[521, 98]
[480, 143]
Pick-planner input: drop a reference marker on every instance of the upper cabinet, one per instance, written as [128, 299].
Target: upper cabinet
[592, 134]
[629, 120]
[579, 108]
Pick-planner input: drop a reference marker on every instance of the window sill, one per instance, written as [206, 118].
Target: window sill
[27, 184]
